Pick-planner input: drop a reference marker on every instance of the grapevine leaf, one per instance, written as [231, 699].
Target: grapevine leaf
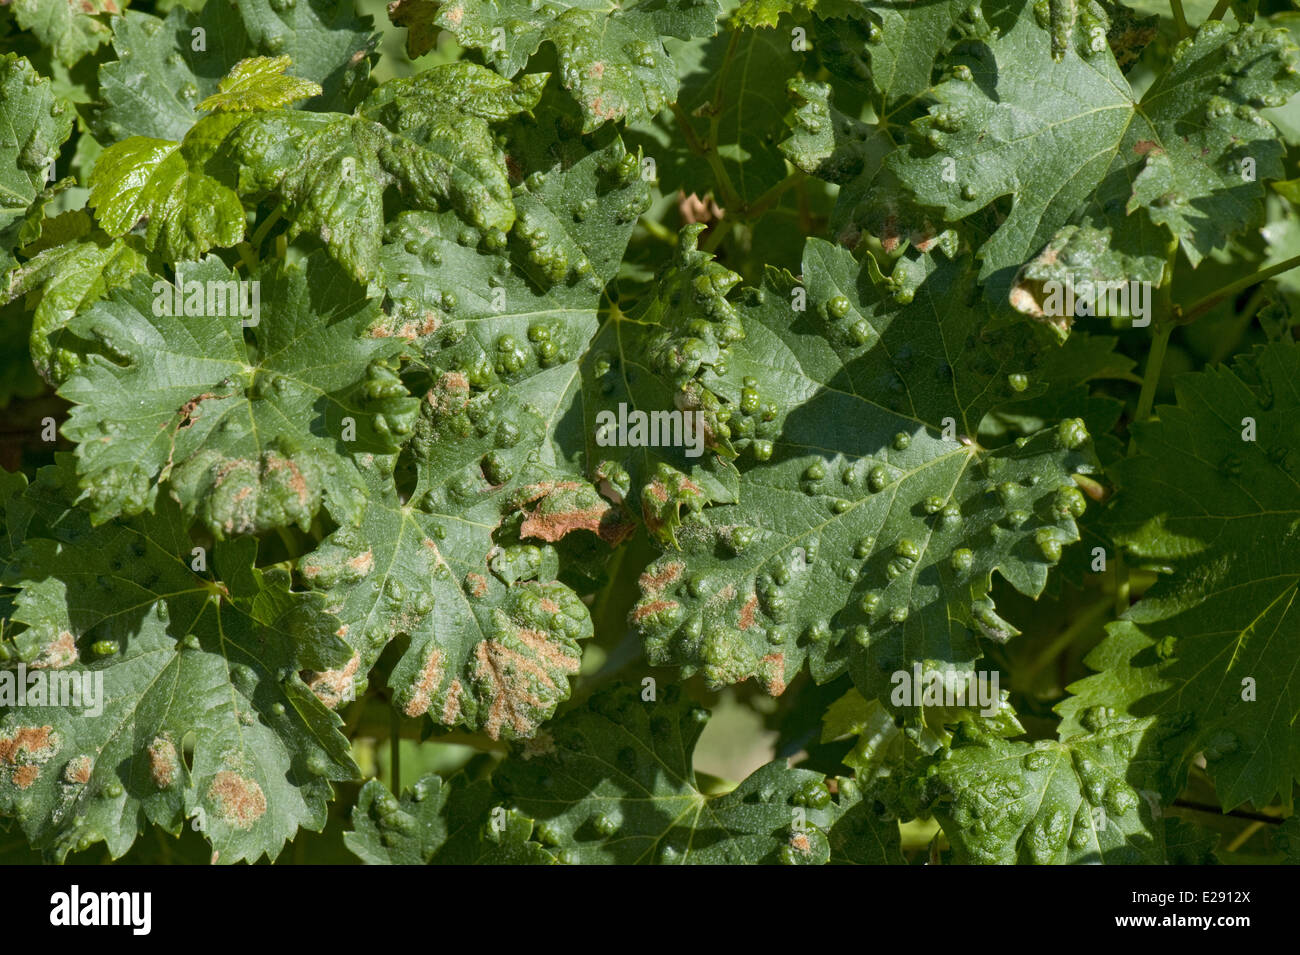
[183, 660]
[864, 538]
[164, 67]
[1189, 844]
[865, 836]
[258, 83]
[884, 748]
[326, 40]
[488, 649]
[612, 61]
[440, 823]
[187, 211]
[429, 134]
[1046, 803]
[519, 316]
[501, 328]
[1208, 651]
[733, 90]
[827, 144]
[612, 782]
[246, 437]
[1171, 163]
[152, 87]
[767, 13]
[36, 125]
[70, 30]
[63, 279]
[1077, 262]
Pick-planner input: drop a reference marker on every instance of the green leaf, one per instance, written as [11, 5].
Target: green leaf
[865, 836]
[1046, 803]
[200, 714]
[733, 90]
[63, 279]
[766, 13]
[327, 41]
[488, 648]
[1169, 165]
[440, 823]
[883, 748]
[612, 61]
[430, 134]
[865, 536]
[36, 125]
[517, 317]
[258, 83]
[620, 789]
[1208, 650]
[462, 567]
[827, 144]
[1079, 260]
[186, 211]
[248, 437]
[69, 30]
[164, 67]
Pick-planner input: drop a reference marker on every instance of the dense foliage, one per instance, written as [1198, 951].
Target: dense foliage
[417, 420]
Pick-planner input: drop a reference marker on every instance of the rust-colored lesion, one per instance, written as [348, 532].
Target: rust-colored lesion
[551, 518]
[239, 801]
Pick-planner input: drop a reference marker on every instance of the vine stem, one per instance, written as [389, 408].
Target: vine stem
[1068, 635]
[263, 228]
[1219, 10]
[1180, 18]
[1244, 836]
[1235, 813]
[1203, 305]
[659, 232]
[727, 192]
[395, 749]
[717, 234]
[247, 256]
[1151, 377]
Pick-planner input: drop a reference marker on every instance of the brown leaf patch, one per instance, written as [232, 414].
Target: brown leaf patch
[563, 507]
[240, 802]
[333, 687]
[78, 770]
[58, 653]
[654, 583]
[29, 744]
[430, 677]
[162, 762]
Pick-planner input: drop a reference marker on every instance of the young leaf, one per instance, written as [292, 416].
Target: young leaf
[162, 183]
[258, 83]
[430, 135]
[63, 279]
